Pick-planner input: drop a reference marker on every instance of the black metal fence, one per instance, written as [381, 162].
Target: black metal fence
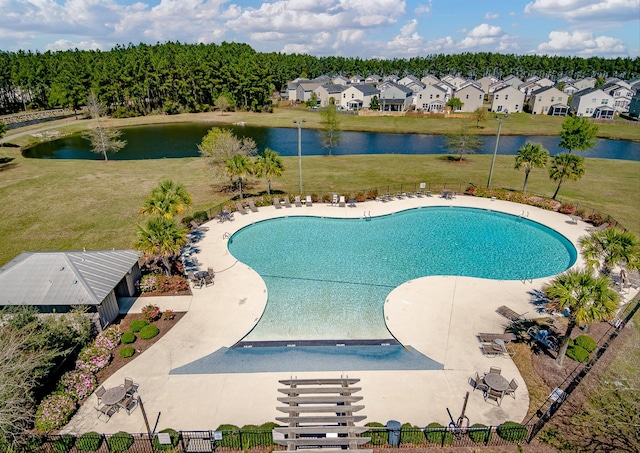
[262, 440]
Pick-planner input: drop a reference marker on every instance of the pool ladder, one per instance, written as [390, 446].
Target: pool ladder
[226, 235]
[367, 215]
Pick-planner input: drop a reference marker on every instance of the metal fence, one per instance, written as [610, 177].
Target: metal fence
[260, 440]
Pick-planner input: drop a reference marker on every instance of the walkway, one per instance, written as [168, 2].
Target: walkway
[437, 316]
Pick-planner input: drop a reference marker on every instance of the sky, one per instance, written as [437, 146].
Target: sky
[349, 28]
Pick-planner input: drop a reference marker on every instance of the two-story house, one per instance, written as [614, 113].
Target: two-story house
[429, 79]
[513, 81]
[548, 101]
[621, 92]
[471, 96]
[326, 92]
[584, 83]
[432, 98]
[356, 97]
[455, 81]
[411, 82]
[634, 105]
[592, 102]
[394, 97]
[340, 80]
[485, 82]
[373, 79]
[507, 99]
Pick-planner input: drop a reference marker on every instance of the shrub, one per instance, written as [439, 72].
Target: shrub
[372, 194]
[168, 315]
[151, 313]
[479, 433]
[360, 197]
[149, 331]
[230, 436]
[137, 324]
[93, 358]
[512, 431]
[566, 209]
[596, 219]
[77, 383]
[172, 284]
[438, 434]
[253, 436]
[64, 443]
[577, 353]
[55, 411]
[173, 434]
[200, 216]
[126, 352]
[186, 221]
[267, 438]
[410, 434]
[471, 190]
[128, 338]
[90, 441]
[580, 212]
[586, 342]
[120, 442]
[109, 338]
[147, 283]
[378, 436]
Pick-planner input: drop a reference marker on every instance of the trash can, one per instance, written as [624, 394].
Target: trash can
[393, 428]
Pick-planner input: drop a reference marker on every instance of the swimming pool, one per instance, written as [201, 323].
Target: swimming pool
[328, 278]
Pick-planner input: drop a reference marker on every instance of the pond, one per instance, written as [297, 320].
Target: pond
[181, 140]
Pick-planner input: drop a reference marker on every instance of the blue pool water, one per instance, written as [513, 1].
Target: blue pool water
[328, 278]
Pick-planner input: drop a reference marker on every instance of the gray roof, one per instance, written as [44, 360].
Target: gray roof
[366, 89]
[63, 278]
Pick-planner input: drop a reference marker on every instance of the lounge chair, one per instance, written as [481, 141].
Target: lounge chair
[489, 337]
[479, 384]
[604, 226]
[574, 219]
[543, 337]
[276, 203]
[240, 208]
[297, 202]
[287, 203]
[309, 201]
[196, 282]
[509, 314]
[208, 279]
[513, 385]
[493, 349]
[341, 203]
[252, 206]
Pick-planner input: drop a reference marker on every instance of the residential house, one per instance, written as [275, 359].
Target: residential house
[485, 82]
[621, 92]
[391, 78]
[450, 89]
[496, 86]
[356, 79]
[55, 282]
[356, 97]
[584, 83]
[322, 79]
[507, 99]
[429, 80]
[340, 80]
[545, 82]
[634, 105]
[395, 97]
[292, 88]
[455, 81]
[411, 82]
[513, 81]
[529, 87]
[432, 98]
[565, 80]
[548, 101]
[569, 89]
[471, 96]
[592, 102]
[304, 91]
[373, 79]
[326, 92]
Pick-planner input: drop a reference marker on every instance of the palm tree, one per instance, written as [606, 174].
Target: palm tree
[270, 166]
[565, 166]
[529, 157]
[167, 200]
[161, 238]
[588, 298]
[238, 166]
[606, 248]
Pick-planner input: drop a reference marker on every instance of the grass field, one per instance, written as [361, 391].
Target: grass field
[71, 204]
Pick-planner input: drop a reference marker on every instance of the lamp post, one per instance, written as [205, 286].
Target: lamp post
[299, 124]
[495, 150]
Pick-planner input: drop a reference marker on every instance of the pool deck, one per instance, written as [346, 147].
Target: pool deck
[438, 316]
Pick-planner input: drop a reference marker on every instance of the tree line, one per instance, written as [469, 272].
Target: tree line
[174, 77]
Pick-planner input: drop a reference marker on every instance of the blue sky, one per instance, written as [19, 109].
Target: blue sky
[363, 28]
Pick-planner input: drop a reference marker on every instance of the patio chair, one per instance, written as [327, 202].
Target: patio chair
[240, 208]
[334, 200]
[276, 203]
[196, 282]
[252, 206]
[106, 411]
[309, 201]
[489, 337]
[491, 349]
[513, 385]
[509, 314]
[495, 370]
[128, 404]
[479, 384]
[297, 201]
[493, 395]
[208, 279]
[342, 203]
[99, 392]
[211, 271]
[130, 387]
[287, 202]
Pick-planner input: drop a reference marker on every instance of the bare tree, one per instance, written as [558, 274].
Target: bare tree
[103, 139]
[222, 104]
[220, 145]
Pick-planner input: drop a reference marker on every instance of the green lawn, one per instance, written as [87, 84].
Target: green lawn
[69, 204]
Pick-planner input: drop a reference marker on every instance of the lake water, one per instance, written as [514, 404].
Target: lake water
[181, 140]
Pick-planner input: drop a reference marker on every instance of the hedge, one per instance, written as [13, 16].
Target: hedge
[126, 352]
[439, 433]
[480, 433]
[586, 342]
[230, 436]
[64, 443]
[577, 353]
[90, 441]
[173, 434]
[410, 434]
[128, 338]
[512, 431]
[137, 324]
[119, 442]
[378, 436]
[149, 331]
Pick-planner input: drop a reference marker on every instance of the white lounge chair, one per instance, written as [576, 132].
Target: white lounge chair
[287, 203]
[342, 203]
[276, 203]
[309, 201]
[297, 202]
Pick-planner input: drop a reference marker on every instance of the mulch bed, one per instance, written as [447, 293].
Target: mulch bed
[139, 345]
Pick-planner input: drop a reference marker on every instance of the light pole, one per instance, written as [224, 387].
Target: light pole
[495, 150]
[299, 124]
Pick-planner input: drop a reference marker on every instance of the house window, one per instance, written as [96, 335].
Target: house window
[497, 96]
[517, 107]
[437, 96]
[604, 101]
[344, 95]
[467, 97]
[420, 97]
[431, 96]
[540, 99]
[552, 98]
[559, 98]
[593, 100]
[506, 96]
[352, 95]
[499, 109]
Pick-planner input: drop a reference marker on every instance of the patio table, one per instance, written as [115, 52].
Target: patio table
[114, 395]
[496, 382]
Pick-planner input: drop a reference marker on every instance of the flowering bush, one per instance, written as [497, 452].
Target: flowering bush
[516, 197]
[109, 338]
[55, 411]
[77, 383]
[168, 315]
[173, 284]
[566, 209]
[596, 219]
[151, 313]
[147, 283]
[93, 358]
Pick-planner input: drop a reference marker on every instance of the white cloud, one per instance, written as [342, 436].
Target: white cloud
[492, 16]
[485, 31]
[587, 10]
[423, 9]
[581, 43]
[65, 44]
